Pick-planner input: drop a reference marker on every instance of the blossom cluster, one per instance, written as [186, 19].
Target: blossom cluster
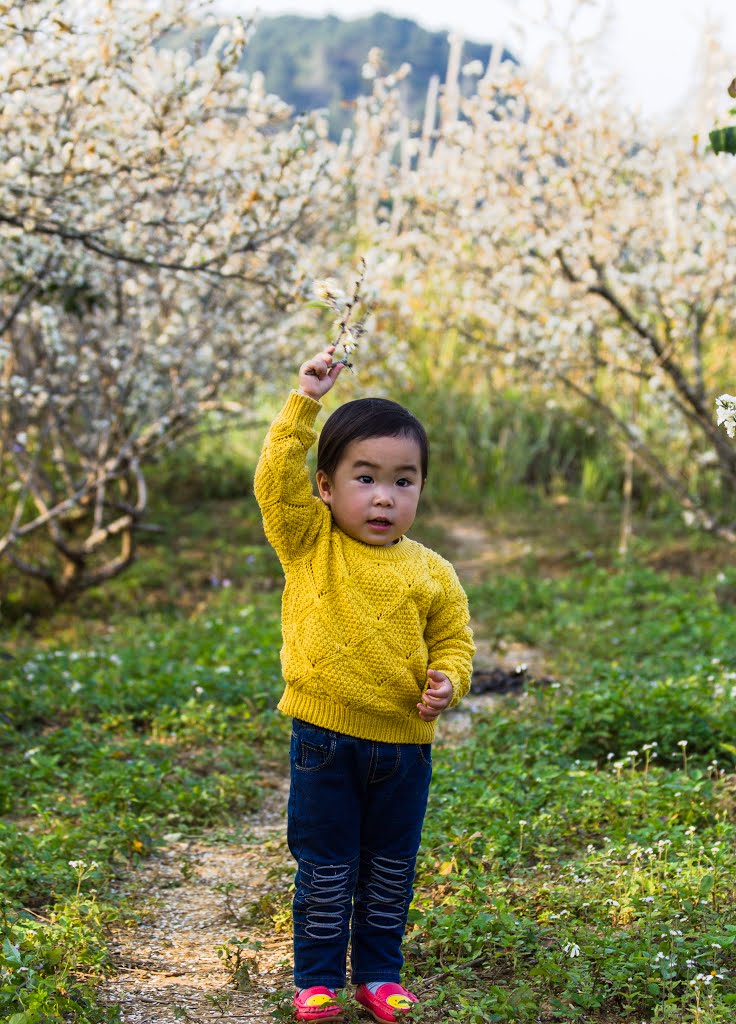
[726, 413]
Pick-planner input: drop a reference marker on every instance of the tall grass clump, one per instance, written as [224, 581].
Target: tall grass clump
[501, 449]
[496, 443]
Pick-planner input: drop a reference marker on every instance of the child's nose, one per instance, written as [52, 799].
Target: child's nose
[382, 496]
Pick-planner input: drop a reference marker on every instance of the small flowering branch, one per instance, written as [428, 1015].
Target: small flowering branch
[726, 413]
[349, 334]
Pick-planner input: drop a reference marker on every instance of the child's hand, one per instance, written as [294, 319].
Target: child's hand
[318, 374]
[436, 697]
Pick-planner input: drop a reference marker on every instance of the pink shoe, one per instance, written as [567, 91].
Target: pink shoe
[316, 1003]
[388, 1003]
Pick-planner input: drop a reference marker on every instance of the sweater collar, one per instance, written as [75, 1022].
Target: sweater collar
[398, 552]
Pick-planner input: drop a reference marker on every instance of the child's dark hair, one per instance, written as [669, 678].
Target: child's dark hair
[364, 418]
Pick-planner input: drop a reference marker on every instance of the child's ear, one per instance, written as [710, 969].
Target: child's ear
[324, 486]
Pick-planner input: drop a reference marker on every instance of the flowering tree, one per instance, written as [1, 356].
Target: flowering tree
[155, 207]
[569, 246]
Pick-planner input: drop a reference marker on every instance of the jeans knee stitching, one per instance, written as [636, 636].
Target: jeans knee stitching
[388, 892]
[327, 894]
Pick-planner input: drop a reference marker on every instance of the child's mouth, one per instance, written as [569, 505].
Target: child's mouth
[379, 523]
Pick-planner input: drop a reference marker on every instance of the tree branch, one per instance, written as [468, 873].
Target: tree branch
[645, 455]
[88, 241]
[693, 404]
[25, 296]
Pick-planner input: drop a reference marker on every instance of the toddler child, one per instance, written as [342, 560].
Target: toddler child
[376, 644]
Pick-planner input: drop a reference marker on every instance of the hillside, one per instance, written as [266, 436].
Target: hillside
[316, 62]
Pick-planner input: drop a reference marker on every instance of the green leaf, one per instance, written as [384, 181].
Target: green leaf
[53, 957]
[706, 884]
[723, 140]
[11, 952]
[318, 304]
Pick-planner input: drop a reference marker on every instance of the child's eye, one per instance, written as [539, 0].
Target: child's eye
[365, 479]
[403, 482]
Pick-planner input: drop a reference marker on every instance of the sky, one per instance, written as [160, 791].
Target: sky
[651, 46]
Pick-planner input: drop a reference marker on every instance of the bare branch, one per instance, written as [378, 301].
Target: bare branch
[693, 402]
[39, 572]
[27, 294]
[115, 566]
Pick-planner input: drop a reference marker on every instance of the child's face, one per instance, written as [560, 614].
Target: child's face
[374, 492]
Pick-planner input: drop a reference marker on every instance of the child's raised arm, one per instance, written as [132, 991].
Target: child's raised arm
[318, 374]
[292, 514]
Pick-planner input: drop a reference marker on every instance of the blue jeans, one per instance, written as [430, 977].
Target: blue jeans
[356, 809]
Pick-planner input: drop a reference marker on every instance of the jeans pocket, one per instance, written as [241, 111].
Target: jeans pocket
[312, 748]
[425, 753]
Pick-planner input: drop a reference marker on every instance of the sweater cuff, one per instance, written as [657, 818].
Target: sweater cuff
[457, 694]
[301, 410]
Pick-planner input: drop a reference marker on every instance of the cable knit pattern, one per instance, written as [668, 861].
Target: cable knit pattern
[361, 623]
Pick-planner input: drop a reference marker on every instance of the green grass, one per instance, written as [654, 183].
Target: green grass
[557, 889]
[159, 725]
[643, 656]
[578, 861]
[579, 855]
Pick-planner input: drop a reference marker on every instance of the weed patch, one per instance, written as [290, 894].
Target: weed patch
[164, 725]
[579, 849]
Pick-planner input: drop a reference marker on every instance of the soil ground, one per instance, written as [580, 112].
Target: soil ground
[192, 899]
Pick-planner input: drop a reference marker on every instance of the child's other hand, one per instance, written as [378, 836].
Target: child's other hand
[436, 697]
[318, 374]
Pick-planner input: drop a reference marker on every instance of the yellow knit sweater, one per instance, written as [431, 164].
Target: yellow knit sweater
[361, 623]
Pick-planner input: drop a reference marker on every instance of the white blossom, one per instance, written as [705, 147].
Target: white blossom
[726, 413]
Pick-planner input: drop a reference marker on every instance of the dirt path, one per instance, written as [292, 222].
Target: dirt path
[193, 898]
[197, 896]
[475, 552]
